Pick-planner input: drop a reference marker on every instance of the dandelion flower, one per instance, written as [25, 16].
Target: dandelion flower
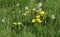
[33, 9]
[14, 23]
[33, 20]
[38, 16]
[25, 14]
[19, 23]
[26, 8]
[53, 16]
[38, 20]
[42, 13]
[39, 4]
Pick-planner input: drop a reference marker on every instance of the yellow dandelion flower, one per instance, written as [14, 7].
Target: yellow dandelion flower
[19, 23]
[38, 16]
[42, 13]
[33, 20]
[14, 23]
[38, 20]
[25, 14]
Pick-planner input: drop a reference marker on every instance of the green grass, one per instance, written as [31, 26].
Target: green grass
[48, 29]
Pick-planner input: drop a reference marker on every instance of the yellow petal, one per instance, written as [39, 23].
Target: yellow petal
[24, 14]
[33, 20]
[38, 20]
[15, 23]
[38, 16]
[42, 12]
[19, 23]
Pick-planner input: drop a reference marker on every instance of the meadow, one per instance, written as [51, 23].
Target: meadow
[29, 18]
